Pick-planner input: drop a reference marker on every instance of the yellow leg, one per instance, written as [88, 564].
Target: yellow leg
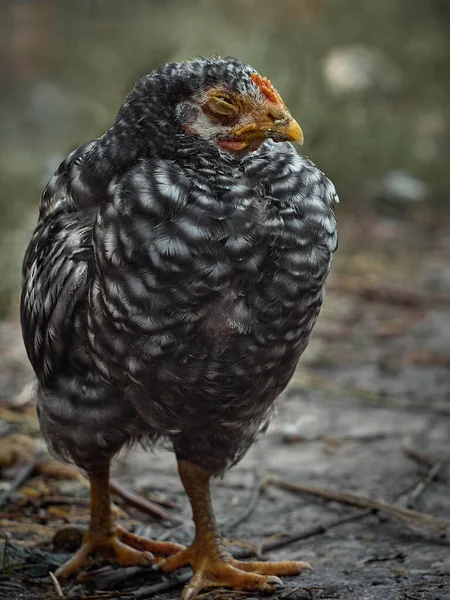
[106, 539]
[211, 562]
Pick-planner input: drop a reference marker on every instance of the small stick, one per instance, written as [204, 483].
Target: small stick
[107, 595]
[58, 500]
[163, 501]
[108, 578]
[149, 591]
[169, 532]
[22, 475]
[142, 504]
[419, 457]
[427, 357]
[307, 592]
[435, 466]
[422, 485]
[27, 528]
[57, 585]
[404, 514]
[230, 523]
[308, 532]
[378, 292]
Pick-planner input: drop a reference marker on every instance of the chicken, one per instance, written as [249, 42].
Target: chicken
[170, 287]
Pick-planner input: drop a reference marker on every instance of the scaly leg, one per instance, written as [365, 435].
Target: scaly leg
[105, 538]
[211, 562]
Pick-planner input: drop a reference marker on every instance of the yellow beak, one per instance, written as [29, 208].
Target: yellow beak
[281, 129]
[291, 130]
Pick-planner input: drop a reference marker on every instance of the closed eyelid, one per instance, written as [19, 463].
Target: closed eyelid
[222, 97]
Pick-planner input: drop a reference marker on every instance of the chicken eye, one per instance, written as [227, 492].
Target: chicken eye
[220, 105]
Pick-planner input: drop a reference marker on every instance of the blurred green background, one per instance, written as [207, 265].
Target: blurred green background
[368, 81]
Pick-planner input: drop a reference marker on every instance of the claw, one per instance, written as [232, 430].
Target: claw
[192, 589]
[274, 579]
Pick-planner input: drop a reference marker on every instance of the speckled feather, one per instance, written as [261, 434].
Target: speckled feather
[170, 288]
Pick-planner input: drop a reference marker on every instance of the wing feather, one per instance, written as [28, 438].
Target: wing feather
[56, 271]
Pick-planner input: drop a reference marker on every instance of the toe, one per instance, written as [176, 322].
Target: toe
[225, 575]
[130, 557]
[74, 565]
[193, 588]
[283, 568]
[176, 561]
[141, 543]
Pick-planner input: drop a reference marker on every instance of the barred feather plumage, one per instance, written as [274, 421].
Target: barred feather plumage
[170, 288]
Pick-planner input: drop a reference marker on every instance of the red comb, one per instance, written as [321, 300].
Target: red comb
[267, 88]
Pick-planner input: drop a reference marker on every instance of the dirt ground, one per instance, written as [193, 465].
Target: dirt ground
[366, 413]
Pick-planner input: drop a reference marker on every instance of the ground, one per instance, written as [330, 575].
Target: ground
[367, 412]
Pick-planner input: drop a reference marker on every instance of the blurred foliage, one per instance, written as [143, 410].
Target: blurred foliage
[368, 81]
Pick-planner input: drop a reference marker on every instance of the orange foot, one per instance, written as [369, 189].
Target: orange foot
[122, 547]
[214, 566]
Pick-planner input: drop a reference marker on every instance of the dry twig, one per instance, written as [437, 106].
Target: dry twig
[108, 595]
[425, 357]
[24, 527]
[232, 522]
[57, 585]
[379, 292]
[23, 474]
[143, 504]
[435, 467]
[58, 470]
[144, 593]
[419, 457]
[422, 485]
[405, 514]
[62, 500]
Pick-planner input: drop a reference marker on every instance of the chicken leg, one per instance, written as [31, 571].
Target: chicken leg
[211, 562]
[107, 539]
